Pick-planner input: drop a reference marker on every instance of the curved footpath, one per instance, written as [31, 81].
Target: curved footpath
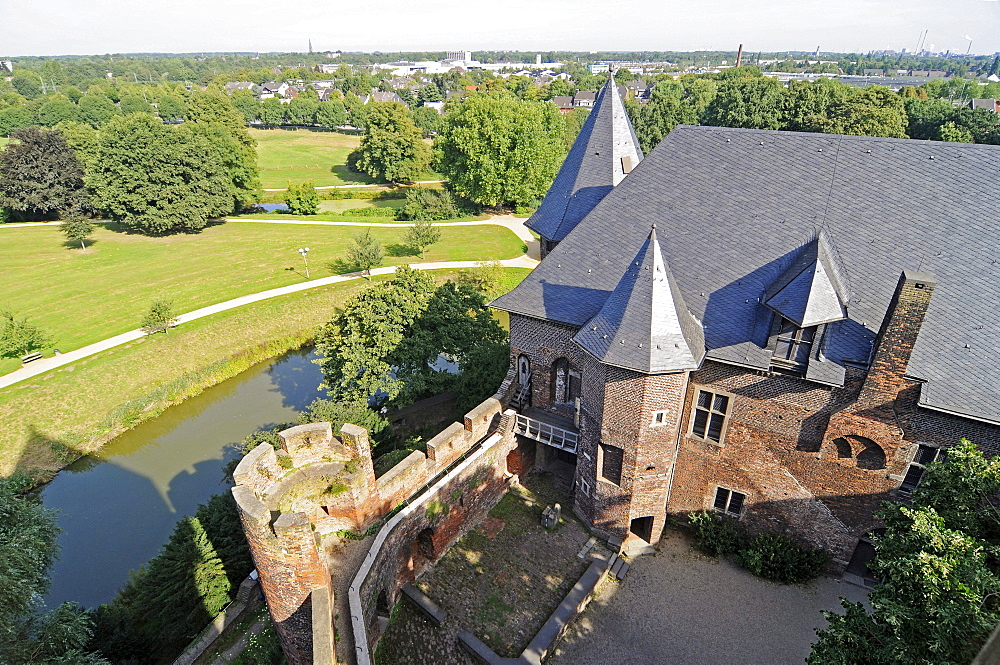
[45, 364]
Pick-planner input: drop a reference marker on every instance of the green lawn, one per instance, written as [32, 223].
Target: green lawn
[82, 297]
[302, 155]
[78, 408]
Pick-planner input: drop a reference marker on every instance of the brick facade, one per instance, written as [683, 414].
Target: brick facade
[813, 461]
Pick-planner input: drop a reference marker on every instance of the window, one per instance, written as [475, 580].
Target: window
[566, 382]
[794, 345]
[661, 418]
[710, 413]
[611, 463]
[915, 473]
[729, 501]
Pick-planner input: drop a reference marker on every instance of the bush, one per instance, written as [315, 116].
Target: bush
[434, 205]
[302, 199]
[715, 534]
[771, 556]
[389, 213]
[779, 558]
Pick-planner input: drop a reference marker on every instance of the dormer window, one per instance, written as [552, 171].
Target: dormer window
[794, 344]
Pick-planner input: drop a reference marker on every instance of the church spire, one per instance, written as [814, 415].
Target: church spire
[644, 324]
[605, 151]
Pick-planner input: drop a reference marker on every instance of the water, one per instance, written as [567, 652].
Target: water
[118, 509]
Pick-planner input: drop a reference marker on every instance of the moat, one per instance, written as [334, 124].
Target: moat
[118, 508]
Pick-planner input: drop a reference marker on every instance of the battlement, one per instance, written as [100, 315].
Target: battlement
[297, 501]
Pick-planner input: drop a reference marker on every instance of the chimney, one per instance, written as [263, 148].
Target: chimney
[894, 344]
[739, 56]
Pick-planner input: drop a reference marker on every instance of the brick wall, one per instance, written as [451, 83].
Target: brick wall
[293, 502]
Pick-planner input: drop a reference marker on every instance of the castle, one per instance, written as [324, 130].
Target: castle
[782, 327]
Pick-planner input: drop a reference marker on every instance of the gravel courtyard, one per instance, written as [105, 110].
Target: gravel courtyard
[681, 607]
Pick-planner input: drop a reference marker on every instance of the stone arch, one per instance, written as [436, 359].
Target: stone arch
[870, 456]
[382, 606]
[843, 447]
[865, 453]
[425, 543]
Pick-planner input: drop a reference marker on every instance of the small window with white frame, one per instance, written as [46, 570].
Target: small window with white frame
[729, 501]
[923, 456]
[660, 418]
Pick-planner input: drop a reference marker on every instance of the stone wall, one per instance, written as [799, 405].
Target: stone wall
[302, 499]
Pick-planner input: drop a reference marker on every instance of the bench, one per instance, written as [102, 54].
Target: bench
[31, 357]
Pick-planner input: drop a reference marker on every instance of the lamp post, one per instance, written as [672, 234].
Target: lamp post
[304, 251]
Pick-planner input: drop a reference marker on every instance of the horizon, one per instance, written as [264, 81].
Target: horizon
[68, 28]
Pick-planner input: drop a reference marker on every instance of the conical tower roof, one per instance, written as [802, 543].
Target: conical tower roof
[604, 151]
[811, 291]
[644, 325]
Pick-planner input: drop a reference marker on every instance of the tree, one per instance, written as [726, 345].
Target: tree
[27, 83]
[96, 109]
[365, 252]
[170, 107]
[158, 179]
[752, 102]
[427, 119]
[807, 105]
[331, 114]
[134, 103]
[939, 592]
[159, 318]
[926, 116]
[421, 235]
[301, 199]
[665, 110]
[28, 547]
[498, 150]
[40, 175]
[872, 111]
[382, 346]
[949, 131]
[391, 148]
[355, 346]
[981, 124]
[271, 112]
[77, 228]
[213, 115]
[56, 109]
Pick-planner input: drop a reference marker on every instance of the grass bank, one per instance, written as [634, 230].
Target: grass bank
[54, 418]
[82, 297]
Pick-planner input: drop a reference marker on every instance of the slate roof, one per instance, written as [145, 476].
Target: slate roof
[644, 324]
[592, 168]
[810, 291]
[736, 208]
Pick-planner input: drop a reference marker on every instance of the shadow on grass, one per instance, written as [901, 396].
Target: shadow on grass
[397, 249]
[75, 244]
[340, 267]
[354, 177]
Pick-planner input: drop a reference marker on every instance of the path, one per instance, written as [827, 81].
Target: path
[416, 182]
[679, 606]
[45, 364]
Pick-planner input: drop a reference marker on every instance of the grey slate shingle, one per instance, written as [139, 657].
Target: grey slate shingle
[735, 208]
[644, 324]
[591, 169]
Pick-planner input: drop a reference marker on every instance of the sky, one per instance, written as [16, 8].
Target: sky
[58, 27]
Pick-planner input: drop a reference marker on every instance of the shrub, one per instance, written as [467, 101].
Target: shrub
[301, 199]
[434, 205]
[779, 558]
[370, 212]
[716, 534]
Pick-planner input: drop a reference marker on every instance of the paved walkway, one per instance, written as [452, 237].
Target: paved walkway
[416, 182]
[45, 364]
[679, 607]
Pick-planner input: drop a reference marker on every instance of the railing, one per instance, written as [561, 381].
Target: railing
[550, 435]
